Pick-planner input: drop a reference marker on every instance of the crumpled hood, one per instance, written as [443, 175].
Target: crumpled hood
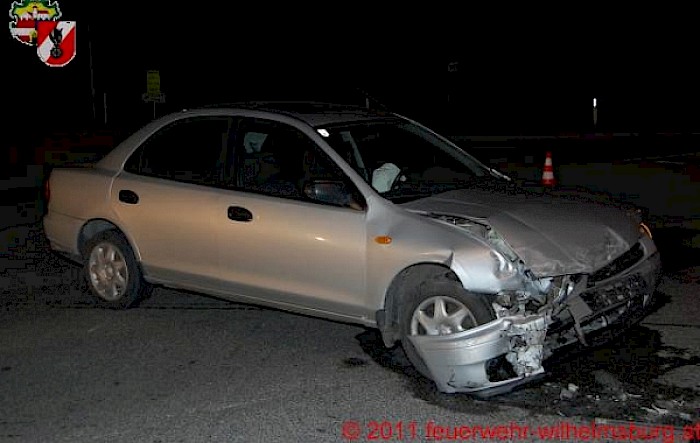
[552, 234]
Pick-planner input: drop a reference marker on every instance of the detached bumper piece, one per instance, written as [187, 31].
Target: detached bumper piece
[465, 362]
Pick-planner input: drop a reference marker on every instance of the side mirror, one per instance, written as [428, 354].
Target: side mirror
[333, 192]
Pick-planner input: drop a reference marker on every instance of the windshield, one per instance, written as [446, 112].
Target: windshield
[403, 161]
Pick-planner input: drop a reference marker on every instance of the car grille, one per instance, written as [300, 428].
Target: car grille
[632, 288]
[625, 261]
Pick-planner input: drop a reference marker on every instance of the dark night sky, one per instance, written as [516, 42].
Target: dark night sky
[513, 76]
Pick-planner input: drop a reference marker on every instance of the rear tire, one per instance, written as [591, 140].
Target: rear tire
[112, 272]
[440, 307]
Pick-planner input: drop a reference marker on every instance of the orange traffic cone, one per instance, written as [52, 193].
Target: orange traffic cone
[548, 171]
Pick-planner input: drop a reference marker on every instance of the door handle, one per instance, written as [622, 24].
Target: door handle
[237, 213]
[127, 196]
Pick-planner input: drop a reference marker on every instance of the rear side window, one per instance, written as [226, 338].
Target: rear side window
[193, 150]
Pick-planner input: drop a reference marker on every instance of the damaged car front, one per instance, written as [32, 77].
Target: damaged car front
[528, 273]
[574, 274]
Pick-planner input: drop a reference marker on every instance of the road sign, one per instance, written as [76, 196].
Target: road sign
[156, 98]
[153, 83]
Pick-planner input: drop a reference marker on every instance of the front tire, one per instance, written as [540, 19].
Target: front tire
[440, 307]
[112, 272]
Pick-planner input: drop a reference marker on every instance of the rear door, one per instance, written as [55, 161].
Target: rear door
[166, 198]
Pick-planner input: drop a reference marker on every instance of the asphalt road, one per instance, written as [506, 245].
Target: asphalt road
[184, 367]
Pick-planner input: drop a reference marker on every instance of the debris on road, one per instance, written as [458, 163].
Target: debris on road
[568, 393]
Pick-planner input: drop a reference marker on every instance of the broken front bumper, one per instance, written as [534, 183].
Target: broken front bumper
[458, 362]
[498, 356]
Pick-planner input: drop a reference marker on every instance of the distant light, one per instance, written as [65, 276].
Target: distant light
[323, 132]
[595, 102]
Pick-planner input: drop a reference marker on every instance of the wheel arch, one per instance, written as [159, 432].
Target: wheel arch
[95, 226]
[408, 279]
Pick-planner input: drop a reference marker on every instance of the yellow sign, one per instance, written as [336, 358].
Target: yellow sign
[153, 83]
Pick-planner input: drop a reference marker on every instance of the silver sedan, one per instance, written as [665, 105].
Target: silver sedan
[361, 216]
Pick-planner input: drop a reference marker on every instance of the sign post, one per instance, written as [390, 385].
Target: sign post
[153, 93]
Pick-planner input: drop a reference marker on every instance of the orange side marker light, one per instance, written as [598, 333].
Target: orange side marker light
[382, 239]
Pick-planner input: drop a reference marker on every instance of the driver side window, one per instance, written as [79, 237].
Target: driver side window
[278, 160]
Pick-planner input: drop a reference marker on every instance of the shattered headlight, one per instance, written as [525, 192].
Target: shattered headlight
[558, 288]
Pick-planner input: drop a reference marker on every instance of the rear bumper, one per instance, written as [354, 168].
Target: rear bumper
[62, 232]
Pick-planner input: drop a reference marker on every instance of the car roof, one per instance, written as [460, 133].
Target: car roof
[314, 114]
